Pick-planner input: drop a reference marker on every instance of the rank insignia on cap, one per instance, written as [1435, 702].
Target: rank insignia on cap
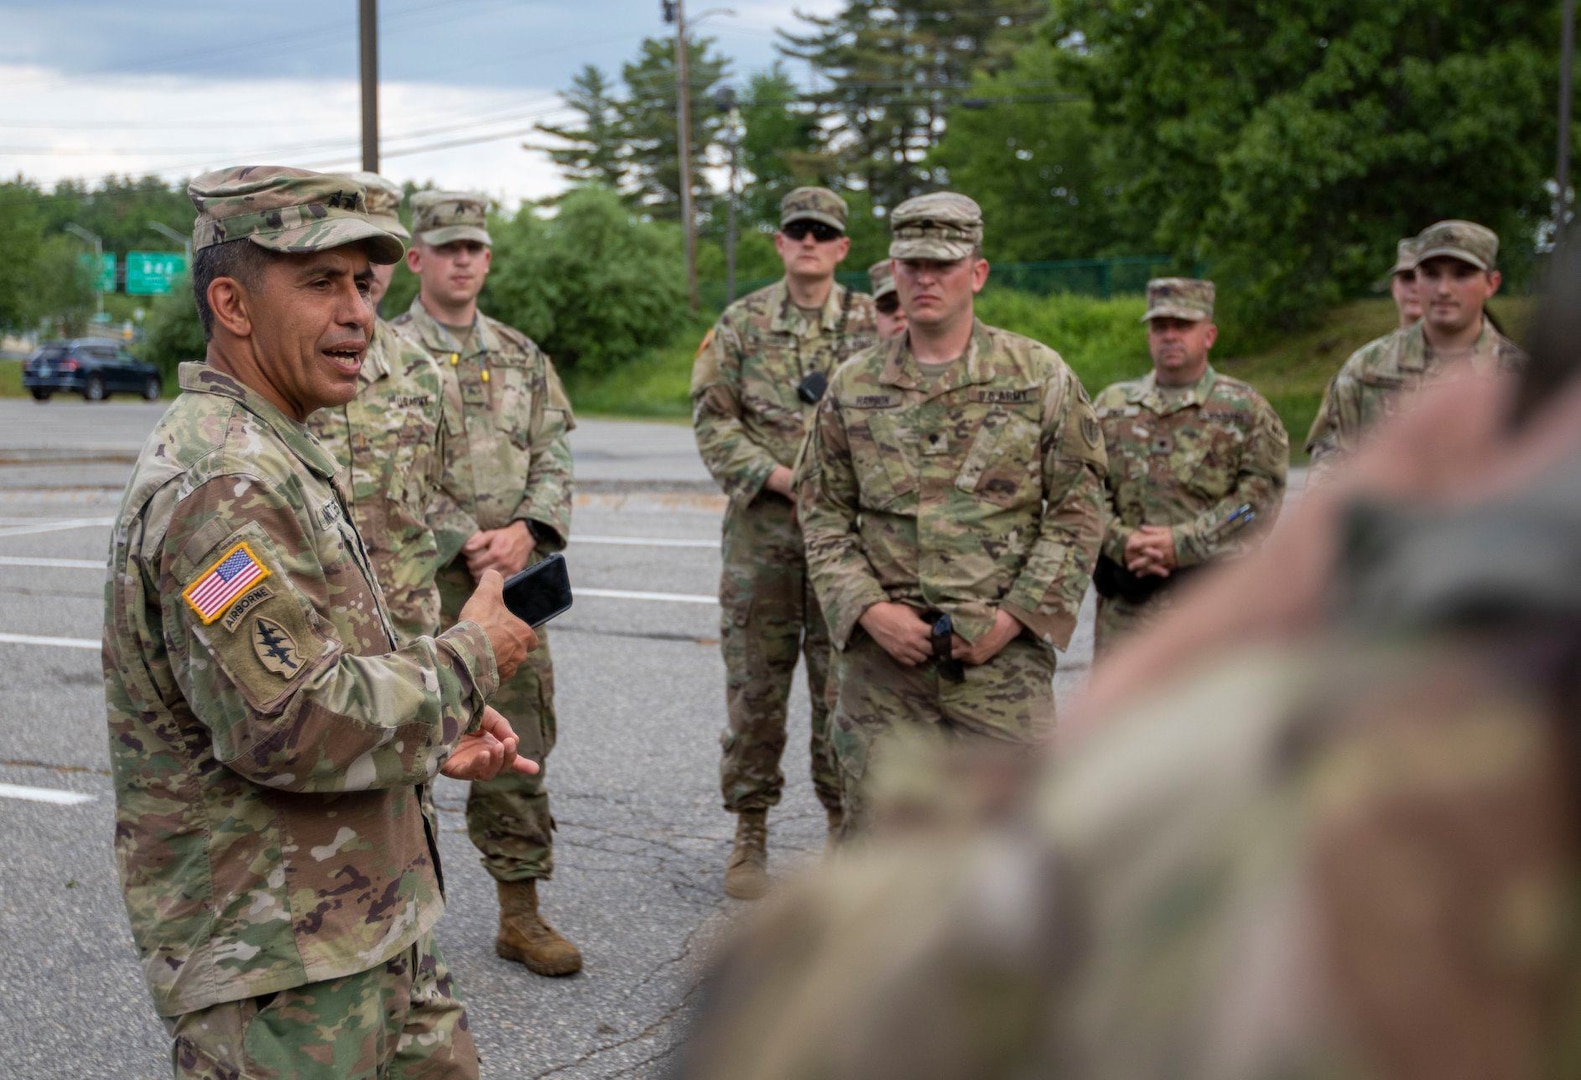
[224, 583]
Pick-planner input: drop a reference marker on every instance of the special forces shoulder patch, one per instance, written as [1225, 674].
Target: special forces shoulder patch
[276, 648]
[1090, 430]
[222, 584]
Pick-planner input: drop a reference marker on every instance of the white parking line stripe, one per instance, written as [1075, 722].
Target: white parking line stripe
[626, 594]
[39, 794]
[638, 541]
[54, 526]
[57, 642]
[51, 564]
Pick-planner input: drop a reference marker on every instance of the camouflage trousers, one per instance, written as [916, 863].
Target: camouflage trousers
[508, 817]
[397, 1021]
[770, 618]
[1009, 699]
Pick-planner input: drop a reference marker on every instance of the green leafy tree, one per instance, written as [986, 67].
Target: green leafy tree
[593, 149]
[1289, 145]
[896, 68]
[172, 333]
[594, 285]
[779, 148]
[1028, 156]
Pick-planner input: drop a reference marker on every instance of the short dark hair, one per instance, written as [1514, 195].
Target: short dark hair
[241, 260]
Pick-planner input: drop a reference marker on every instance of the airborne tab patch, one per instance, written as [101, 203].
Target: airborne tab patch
[217, 588]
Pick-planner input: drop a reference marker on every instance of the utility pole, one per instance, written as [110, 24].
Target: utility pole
[98, 261]
[1567, 44]
[368, 25]
[675, 12]
[725, 101]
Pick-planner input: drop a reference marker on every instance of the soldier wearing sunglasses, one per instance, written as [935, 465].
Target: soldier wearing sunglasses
[758, 375]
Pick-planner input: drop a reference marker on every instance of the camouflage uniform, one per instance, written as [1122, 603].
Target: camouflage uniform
[1350, 857]
[1373, 381]
[388, 437]
[1187, 457]
[748, 419]
[506, 459]
[881, 279]
[268, 742]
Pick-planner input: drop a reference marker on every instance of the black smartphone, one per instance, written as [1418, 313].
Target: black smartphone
[540, 592]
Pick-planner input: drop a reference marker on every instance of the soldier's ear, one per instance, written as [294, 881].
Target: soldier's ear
[231, 304]
[1212, 334]
[414, 258]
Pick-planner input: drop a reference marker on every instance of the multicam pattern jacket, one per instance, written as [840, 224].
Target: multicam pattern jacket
[1191, 460]
[507, 457]
[267, 743]
[746, 412]
[390, 439]
[981, 490]
[1373, 381]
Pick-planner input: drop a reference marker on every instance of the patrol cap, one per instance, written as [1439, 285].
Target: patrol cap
[439, 217]
[813, 204]
[1405, 256]
[943, 225]
[1463, 240]
[287, 210]
[1179, 298]
[881, 277]
[384, 202]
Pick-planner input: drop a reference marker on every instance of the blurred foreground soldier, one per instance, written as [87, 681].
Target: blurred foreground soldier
[1402, 283]
[1337, 839]
[269, 741]
[758, 375]
[1456, 274]
[890, 316]
[952, 499]
[507, 503]
[389, 438]
[1196, 463]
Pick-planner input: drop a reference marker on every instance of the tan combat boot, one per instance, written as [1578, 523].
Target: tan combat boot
[526, 938]
[746, 874]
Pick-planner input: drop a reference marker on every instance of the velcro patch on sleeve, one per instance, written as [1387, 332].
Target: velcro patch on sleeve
[221, 585]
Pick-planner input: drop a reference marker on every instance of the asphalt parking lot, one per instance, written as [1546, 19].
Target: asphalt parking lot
[641, 840]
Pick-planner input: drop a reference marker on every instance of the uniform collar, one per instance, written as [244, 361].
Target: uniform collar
[437, 338]
[901, 368]
[1146, 391]
[787, 317]
[1417, 353]
[200, 378]
[375, 365]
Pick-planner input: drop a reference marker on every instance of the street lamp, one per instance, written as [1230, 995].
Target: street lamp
[184, 239]
[674, 11]
[98, 261]
[725, 102]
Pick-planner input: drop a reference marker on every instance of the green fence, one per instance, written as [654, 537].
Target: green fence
[1102, 278]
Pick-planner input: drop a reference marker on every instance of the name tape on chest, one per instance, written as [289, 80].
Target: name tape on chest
[990, 396]
[875, 401]
[222, 584]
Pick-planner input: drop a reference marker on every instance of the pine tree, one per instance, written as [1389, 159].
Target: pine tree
[593, 151]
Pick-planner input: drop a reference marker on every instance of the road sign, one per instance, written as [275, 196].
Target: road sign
[104, 280]
[150, 273]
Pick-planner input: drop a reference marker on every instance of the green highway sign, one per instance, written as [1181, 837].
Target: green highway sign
[104, 280]
[151, 273]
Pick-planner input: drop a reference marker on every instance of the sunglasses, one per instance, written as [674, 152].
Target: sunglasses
[799, 230]
[887, 304]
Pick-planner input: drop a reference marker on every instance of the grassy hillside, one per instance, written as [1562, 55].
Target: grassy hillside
[10, 378]
[1101, 339]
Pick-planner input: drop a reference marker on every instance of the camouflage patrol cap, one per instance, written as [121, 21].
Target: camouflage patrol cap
[943, 226]
[813, 204]
[881, 277]
[1179, 298]
[1405, 256]
[287, 210]
[440, 217]
[1463, 240]
[384, 202]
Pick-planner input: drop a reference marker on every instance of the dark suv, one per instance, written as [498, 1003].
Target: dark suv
[90, 367]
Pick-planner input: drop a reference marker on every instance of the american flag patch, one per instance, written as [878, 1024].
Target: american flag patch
[223, 584]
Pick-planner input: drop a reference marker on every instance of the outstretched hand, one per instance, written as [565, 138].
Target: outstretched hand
[489, 752]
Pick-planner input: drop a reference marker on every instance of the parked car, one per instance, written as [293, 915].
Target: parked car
[91, 367]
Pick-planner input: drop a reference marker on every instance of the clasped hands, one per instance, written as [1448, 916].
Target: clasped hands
[904, 634]
[1150, 551]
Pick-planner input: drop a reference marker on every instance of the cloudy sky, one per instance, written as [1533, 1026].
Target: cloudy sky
[176, 87]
